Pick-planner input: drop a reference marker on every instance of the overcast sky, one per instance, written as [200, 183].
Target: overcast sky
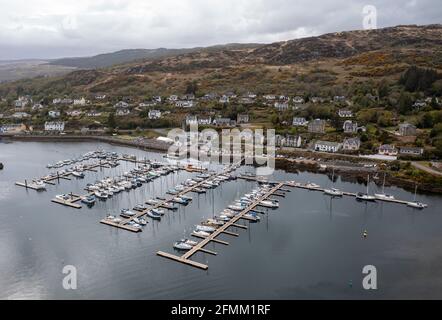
[60, 28]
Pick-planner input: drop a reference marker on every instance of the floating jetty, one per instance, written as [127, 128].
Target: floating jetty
[164, 203]
[185, 258]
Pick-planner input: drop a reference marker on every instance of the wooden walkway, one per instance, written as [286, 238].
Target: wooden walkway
[163, 203]
[65, 176]
[185, 258]
[306, 187]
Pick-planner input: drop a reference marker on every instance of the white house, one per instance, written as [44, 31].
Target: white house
[344, 113]
[204, 121]
[351, 144]
[121, 104]
[122, 112]
[387, 150]
[224, 99]
[327, 146]
[74, 113]
[184, 104]
[297, 121]
[37, 106]
[191, 119]
[281, 106]
[54, 126]
[80, 102]
[21, 115]
[298, 100]
[154, 114]
[54, 113]
[93, 113]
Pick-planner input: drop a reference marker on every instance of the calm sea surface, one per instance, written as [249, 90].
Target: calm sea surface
[310, 248]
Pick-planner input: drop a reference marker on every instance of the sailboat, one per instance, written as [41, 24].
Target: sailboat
[383, 195]
[365, 196]
[416, 204]
[334, 192]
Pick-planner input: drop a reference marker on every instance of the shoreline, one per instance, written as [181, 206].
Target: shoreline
[348, 174]
[148, 144]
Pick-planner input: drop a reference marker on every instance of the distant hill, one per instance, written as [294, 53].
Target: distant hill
[328, 62]
[130, 55]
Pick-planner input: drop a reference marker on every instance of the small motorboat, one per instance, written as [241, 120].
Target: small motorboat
[236, 207]
[63, 197]
[182, 246]
[333, 192]
[158, 211]
[100, 195]
[417, 204]
[205, 228]
[89, 200]
[189, 242]
[269, 204]
[127, 212]
[180, 201]
[252, 216]
[152, 201]
[140, 207]
[142, 221]
[153, 215]
[202, 234]
[78, 174]
[364, 197]
[312, 185]
[38, 185]
[383, 196]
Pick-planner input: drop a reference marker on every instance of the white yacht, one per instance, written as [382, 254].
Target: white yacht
[383, 195]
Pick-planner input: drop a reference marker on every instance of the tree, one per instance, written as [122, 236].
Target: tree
[418, 79]
[111, 122]
[191, 87]
[405, 103]
[383, 89]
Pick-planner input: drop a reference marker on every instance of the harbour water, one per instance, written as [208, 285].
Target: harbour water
[311, 247]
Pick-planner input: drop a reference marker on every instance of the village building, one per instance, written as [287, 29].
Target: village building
[224, 122]
[298, 121]
[154, 114]
[21, 115]
[74, 113]
[242, 118]
[13, 128]
[289, 141]
[246, 100]
[205, 121]
[57, 126]
[191, 120]
[316, 126]
[350, 126]
[327, 146]
[407, 129]
[80, 102]
[387, 150]
[339, 98]
[121, 104]
[100, 97]
[269, 97]
[344, 113]
[411, 151]
[351, 144]
[93, 113]
[122, 112]
[317, 100]
[224, 99]
[298, 100]
[54, 113]
[173, 97]
[281, 106]
[37, 106]
[419, 104]
[157, 99]
[147, 104]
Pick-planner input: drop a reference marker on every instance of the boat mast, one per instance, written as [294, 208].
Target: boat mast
[415, 191]
[368, 181]
[383, 184]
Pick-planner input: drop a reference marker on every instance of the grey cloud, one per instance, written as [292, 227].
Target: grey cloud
[48, 28]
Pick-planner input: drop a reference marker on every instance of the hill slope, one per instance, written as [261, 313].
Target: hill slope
[310, 64]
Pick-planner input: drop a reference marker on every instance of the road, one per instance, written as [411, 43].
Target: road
[426, 169]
